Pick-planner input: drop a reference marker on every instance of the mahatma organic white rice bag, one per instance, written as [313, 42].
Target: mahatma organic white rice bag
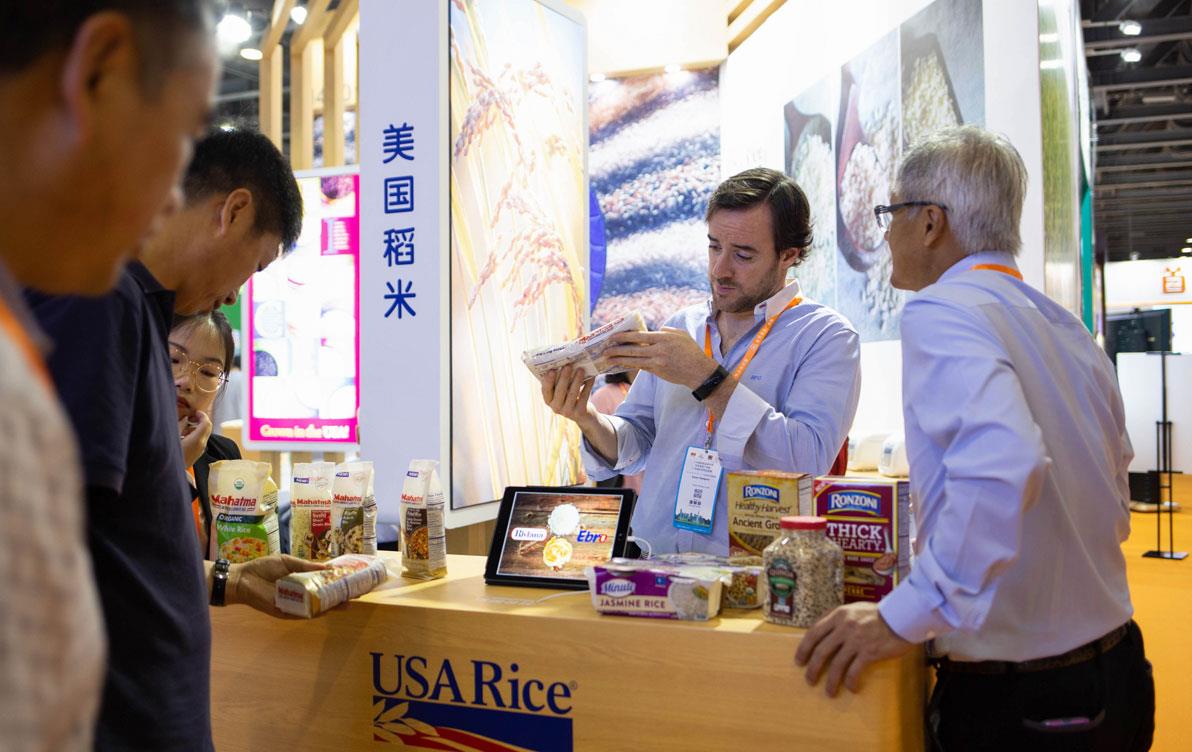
[310, 510]
[244, 511]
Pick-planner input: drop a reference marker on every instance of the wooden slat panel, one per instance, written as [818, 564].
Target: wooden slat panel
[278, 20]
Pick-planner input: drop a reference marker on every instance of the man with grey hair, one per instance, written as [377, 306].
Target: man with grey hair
[1018, 453]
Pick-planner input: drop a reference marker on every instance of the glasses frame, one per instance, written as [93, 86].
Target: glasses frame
[191, 367]
[884, 213]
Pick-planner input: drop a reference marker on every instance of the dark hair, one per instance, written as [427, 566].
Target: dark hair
[226, 160]
[789, 211]
[224, 329]
[31, 29]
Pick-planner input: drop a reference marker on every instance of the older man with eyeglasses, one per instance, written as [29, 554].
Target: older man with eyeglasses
[1018, 455]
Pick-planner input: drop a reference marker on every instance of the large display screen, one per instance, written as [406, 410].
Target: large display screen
[519, 217]
[301, 336]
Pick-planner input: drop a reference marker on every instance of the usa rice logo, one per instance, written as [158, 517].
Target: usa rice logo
[857, 502]
[760, 492]
[468, 705]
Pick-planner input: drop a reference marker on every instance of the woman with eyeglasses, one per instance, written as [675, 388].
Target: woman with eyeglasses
[201, 352]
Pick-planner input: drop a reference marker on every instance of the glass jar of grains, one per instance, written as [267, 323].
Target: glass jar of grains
[804, 572]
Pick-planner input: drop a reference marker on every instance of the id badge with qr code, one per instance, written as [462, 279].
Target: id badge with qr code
[699, 485]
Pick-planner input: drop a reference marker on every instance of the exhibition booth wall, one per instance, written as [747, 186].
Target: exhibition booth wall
[828, 93]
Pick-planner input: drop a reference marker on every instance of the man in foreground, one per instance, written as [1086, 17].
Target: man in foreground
[100, 102]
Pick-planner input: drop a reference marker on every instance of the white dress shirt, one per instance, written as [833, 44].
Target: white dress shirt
[791, 411]
[1018, 452]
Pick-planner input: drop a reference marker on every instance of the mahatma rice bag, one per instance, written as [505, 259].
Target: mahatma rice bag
[424, 538]
[353, 510]
[244, 511]
[310, 510]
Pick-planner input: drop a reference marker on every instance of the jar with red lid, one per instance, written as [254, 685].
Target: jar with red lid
[804, 573]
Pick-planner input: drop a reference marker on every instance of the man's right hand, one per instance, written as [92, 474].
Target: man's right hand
[566, 392]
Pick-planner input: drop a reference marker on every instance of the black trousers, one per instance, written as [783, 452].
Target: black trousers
[1107, 703]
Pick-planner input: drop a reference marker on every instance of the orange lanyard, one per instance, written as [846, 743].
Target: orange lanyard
[13, 328]
[749, 353]
[1000, 268]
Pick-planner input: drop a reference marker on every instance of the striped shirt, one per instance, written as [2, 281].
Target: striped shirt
[51, 633]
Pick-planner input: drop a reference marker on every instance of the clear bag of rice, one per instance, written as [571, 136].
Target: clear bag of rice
[353, 510]
[423, 535]
[243, 510]
[310, 510]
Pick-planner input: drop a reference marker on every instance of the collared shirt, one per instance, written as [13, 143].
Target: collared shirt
[791, 411]
[51, 629]
[1018, 452]
[112, 370]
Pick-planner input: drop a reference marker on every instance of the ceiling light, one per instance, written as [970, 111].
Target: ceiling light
[251, 53]
[233, 29]
[1049, 37]
[1158, 98]
[597, 78]
[1188, 240]
[1131, 55]
[1133, 255]
[298, 14]
[1186, 250]
[1130, 28]
[673, 68]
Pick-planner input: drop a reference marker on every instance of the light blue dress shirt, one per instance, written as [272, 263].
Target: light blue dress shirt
[1018, 452]
[791, 411]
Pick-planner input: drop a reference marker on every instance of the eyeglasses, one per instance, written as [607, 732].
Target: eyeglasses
[207, 377]
[885, 214]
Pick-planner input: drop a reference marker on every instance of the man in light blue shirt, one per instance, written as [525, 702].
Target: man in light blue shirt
[1018, 454]
[790, 409]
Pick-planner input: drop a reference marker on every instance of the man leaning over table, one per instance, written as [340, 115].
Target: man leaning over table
[241, 209]
[1018, 455]
[755, 378]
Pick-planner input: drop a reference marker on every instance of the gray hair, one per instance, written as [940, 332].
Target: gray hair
[981, 179]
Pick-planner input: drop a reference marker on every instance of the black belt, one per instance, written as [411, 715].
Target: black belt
[1073, 657]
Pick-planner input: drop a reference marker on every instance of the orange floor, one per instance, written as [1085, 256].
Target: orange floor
[1162, 593]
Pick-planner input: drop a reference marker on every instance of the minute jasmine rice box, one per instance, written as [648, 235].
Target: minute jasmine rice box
[757, 501]
[870, 519]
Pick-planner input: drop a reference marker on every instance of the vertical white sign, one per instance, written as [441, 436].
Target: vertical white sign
[403, 240]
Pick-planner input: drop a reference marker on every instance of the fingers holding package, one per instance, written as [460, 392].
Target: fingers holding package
[566, 392]
[670, 354]
[254, 583]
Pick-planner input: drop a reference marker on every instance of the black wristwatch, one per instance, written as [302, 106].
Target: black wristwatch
[219, 581]
[716, 379]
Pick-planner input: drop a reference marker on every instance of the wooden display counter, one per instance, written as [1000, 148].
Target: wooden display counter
[454, 664]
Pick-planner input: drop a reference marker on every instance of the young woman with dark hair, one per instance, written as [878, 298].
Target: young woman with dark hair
[201, 356]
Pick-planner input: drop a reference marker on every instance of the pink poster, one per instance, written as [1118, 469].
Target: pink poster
[301, 337]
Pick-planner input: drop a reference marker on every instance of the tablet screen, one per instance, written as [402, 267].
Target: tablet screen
[555, 534]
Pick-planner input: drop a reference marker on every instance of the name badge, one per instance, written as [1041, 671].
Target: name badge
[699, 485]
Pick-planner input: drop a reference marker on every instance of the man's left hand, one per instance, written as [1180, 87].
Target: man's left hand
[845, 642]
[670, 354]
